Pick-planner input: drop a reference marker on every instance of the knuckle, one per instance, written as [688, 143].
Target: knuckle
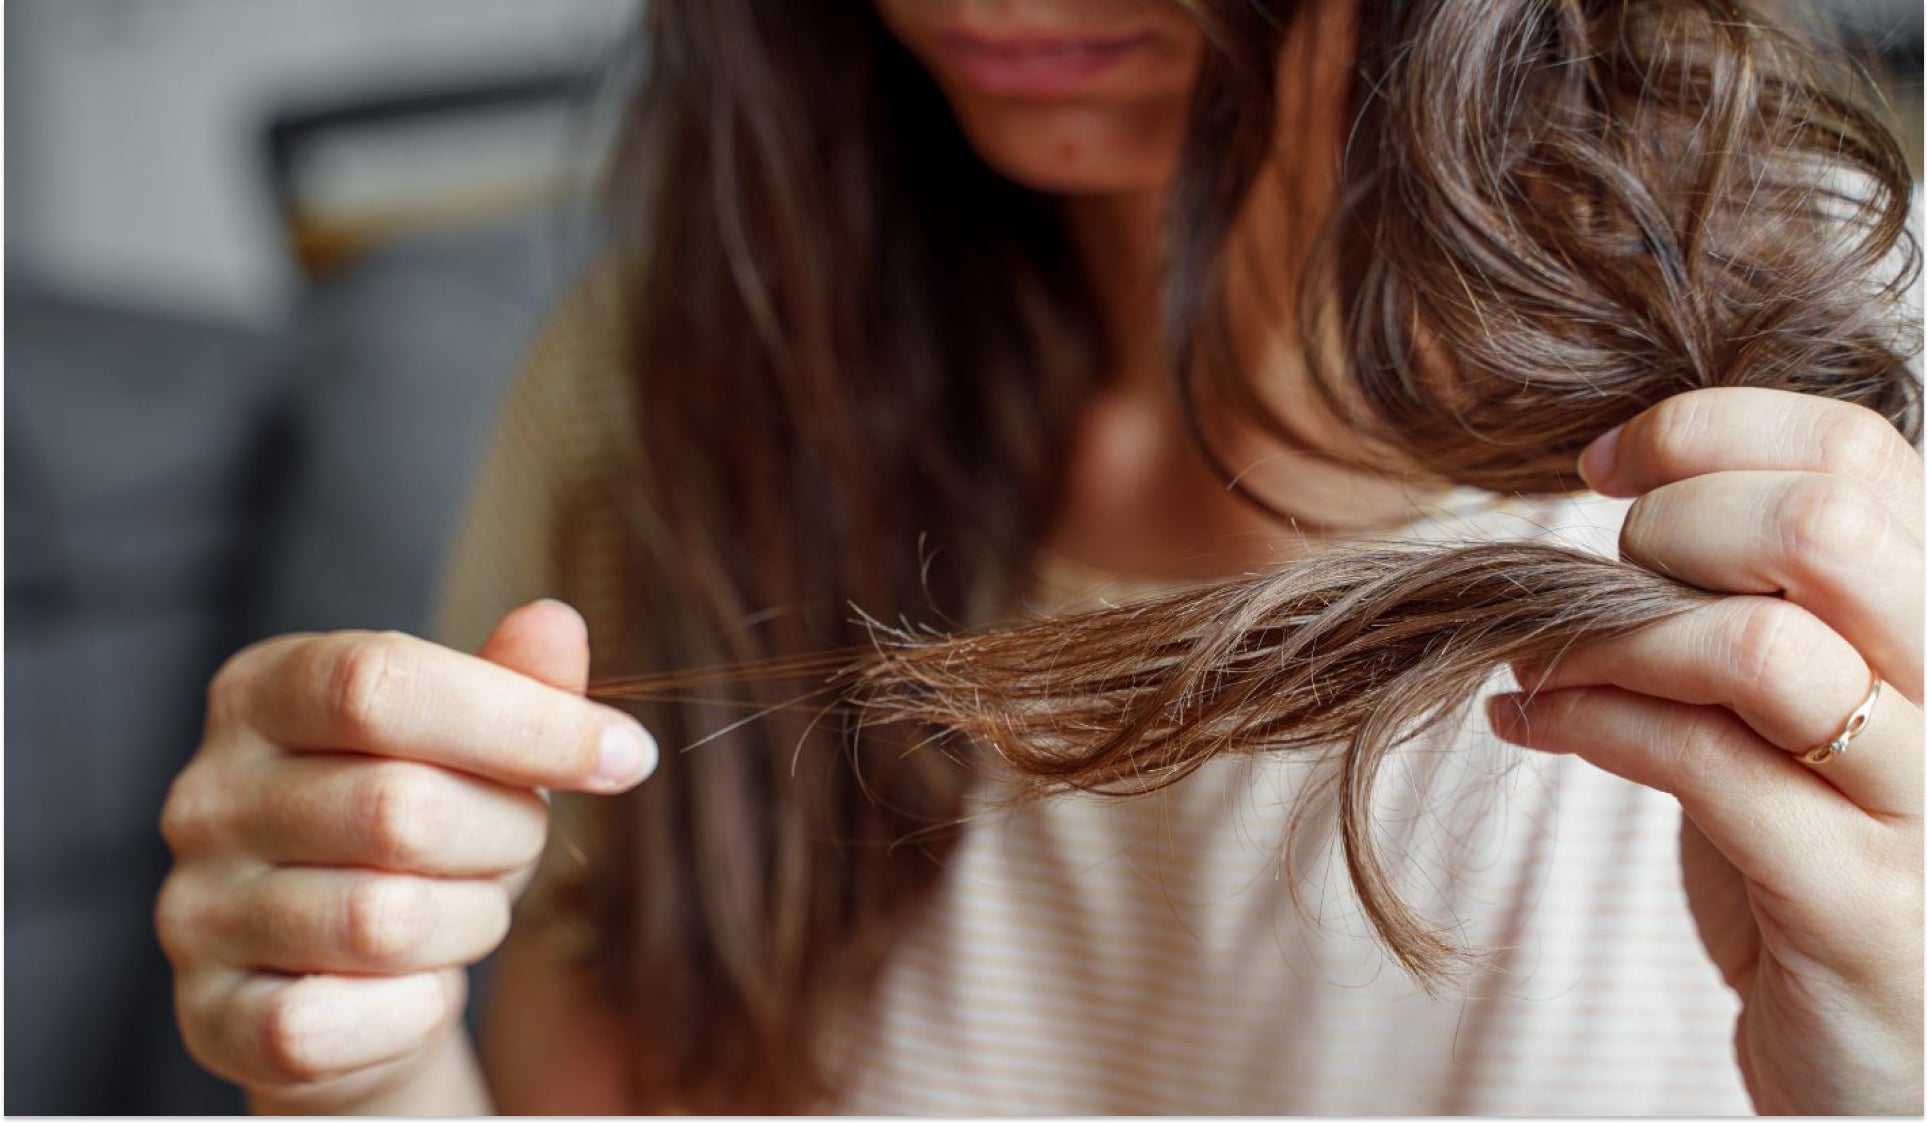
[367, 682]
[290, 1033]
[403, 814]
[190, 815]
[206, 1035]
[1856, 442]
[531, 841]
[386, 919]
[184, 919]
[1825, 520]
[1763, 640]
[200, 1038]
[1645, 526]
[501, 915]
[1674, 425]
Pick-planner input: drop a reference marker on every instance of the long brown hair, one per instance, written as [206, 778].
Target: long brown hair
[858, 355]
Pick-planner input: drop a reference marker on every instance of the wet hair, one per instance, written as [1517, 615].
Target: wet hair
[859, 354]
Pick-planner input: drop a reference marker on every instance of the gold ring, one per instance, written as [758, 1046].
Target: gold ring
[1856, 722]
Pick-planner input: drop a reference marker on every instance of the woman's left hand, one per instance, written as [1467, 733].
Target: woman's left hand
[1805, 879]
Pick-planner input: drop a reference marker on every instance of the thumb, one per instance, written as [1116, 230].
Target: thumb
[548, 641]
[545, 640]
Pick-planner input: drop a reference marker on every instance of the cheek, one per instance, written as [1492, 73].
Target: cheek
[1077, 149]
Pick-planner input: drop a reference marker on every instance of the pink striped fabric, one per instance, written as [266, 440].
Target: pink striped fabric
[1147, 956]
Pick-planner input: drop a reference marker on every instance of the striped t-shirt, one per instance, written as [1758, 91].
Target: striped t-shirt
[1166, 954]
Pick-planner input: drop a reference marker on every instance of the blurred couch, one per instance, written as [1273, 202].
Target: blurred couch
[175, 490]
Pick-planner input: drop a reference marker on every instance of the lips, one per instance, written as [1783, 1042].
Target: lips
[1037, 66]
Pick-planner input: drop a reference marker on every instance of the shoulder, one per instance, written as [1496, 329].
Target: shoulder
[564, 421]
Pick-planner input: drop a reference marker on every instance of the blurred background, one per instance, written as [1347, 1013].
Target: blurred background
[270, 265]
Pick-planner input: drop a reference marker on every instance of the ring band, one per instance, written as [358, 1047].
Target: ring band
[1856, 722]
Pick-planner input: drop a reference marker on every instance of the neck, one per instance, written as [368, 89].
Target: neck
[1139, 497]
[1117, 237]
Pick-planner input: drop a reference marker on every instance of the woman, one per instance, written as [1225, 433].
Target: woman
[914, 289]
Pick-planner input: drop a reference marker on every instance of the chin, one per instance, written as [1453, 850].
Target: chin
[1077, 150]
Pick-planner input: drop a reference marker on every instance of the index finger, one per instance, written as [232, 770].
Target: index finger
[399, 696]
[1723, 429]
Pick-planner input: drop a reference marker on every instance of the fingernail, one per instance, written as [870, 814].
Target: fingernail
[1596, 462]
[627, 755]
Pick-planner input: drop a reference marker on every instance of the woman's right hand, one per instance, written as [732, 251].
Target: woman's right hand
[361, 813]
